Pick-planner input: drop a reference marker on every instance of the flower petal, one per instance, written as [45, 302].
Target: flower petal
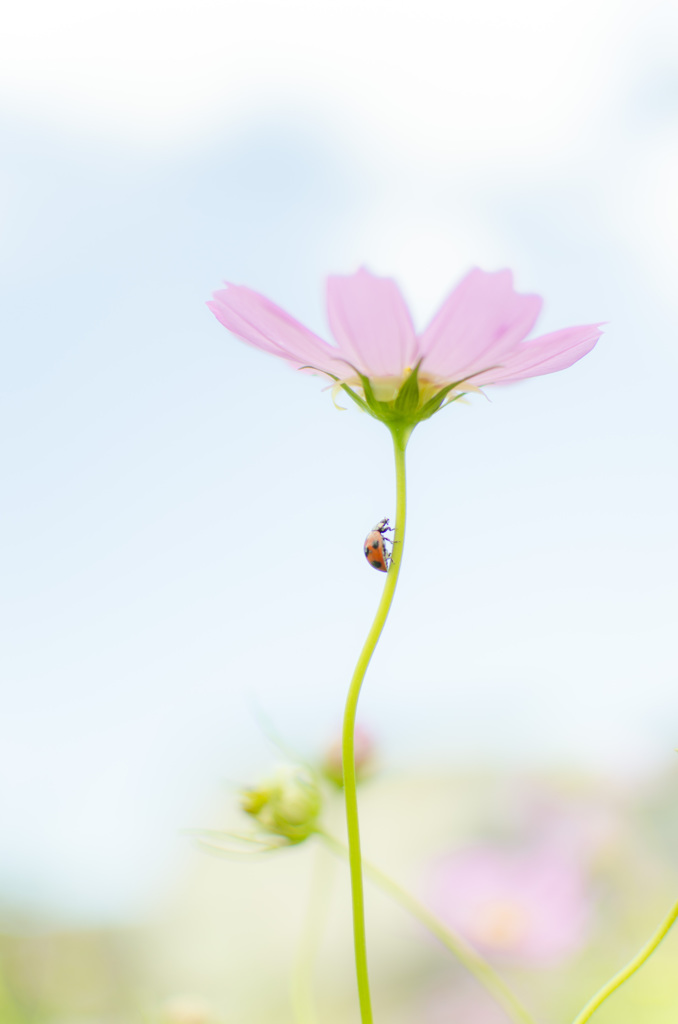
[258, 321]
[478, 322]
[550, 352]
[371, 323]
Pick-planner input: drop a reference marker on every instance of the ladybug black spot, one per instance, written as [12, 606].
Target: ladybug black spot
[375, 544]
[374, 561]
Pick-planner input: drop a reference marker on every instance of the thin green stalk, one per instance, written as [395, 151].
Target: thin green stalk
[400, 439]
[466, 955]
[639, 959]
[316, 915]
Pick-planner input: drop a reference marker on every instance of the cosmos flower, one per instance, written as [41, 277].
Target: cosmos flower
[476, 338]
[530, 906]
[363, 757]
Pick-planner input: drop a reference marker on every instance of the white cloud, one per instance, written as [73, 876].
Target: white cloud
[457, 79]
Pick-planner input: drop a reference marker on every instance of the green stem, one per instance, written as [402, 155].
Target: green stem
[316, 915]
[466, 955]
[626, 972]
[400, 439]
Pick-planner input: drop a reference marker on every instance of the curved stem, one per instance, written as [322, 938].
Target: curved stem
[466, 955]
[347, 746]
[626, 972]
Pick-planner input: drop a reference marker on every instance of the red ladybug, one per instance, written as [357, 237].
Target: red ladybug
[376, 552]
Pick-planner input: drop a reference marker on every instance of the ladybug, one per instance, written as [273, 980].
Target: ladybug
[376, 552]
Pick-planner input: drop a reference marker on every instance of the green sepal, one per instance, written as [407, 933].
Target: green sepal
[407, 398]
[356, 398]
[403, 412]
[434, 404]
[380, 410]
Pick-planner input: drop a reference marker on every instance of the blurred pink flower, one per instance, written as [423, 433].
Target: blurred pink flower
[476, 337]
[364, 756]
[531, 906]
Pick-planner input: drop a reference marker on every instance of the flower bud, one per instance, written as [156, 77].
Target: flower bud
[363, 745]
[287, 805]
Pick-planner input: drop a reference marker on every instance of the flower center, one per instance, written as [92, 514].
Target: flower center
[501, 924]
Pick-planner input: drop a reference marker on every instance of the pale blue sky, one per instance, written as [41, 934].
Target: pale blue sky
[183, 516]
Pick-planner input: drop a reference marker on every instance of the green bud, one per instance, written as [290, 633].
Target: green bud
[364, 757]
[253, 800]
[288, 805]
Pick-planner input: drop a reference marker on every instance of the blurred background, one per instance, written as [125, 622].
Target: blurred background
[183, 517]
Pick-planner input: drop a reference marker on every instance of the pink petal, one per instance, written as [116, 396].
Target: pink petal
[550, 352]
[478, 323]
[371, 323]
[549, 890]
[258, 321]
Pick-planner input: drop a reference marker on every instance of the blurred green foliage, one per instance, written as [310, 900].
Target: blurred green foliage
[222, 948]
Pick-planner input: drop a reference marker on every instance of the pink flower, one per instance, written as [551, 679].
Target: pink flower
[525, 905]
[476, 338]
[364, 756]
